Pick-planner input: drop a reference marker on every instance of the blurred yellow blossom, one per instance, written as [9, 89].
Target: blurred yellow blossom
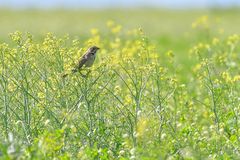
[94, 31]
[233, 40]
[116, 29]
[215, 41]
[142, 126]
[201, 22]
[170, 54]
[110, 23]
[236, 78]
[226, 77]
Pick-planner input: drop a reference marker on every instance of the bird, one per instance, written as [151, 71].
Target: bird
[86, 60]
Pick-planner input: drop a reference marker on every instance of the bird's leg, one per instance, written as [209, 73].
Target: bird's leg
[87, 73]
[83, 75]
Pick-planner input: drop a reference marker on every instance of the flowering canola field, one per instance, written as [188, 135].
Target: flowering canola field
[136, 102]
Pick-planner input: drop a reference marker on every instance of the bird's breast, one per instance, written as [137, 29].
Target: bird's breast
[90, 61]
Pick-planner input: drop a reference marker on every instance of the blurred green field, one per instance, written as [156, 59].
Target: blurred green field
[156, 23]
[167, 29]
[165, 84]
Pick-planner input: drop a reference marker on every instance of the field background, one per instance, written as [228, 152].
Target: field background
[167, 29]
[155, 22]
[170, 91]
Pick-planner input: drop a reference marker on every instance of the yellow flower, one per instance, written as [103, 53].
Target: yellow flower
[236, 78]
[222, 58]
[41, 95]
[94, 31]
[110, 23]
[201, 22]
[233, 40]
[12, 86]
[170, 54]
[217, 81]
[116, 43]
[128, 100]
[142, 126]
[116, 29]
[197, 68]
[226, 77]
[173, 81]
[207, 46]
[132, 32]
[16, 37]
[215, 41]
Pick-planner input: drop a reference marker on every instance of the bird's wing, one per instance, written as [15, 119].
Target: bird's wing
[80, 63]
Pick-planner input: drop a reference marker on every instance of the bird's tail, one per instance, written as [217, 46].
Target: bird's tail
[65, 75]
[74, 70]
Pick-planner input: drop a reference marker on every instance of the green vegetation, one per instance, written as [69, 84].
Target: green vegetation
[165, 85]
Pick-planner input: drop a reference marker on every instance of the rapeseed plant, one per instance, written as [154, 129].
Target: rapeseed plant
[132, 105]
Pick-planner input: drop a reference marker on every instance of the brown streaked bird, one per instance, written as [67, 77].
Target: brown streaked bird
[86, 60]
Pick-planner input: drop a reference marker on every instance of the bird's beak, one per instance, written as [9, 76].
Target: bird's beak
[98, 48]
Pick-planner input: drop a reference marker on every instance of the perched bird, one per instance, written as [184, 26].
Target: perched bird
[87, 59]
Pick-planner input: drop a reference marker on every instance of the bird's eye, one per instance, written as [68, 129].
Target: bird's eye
[92, 53]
